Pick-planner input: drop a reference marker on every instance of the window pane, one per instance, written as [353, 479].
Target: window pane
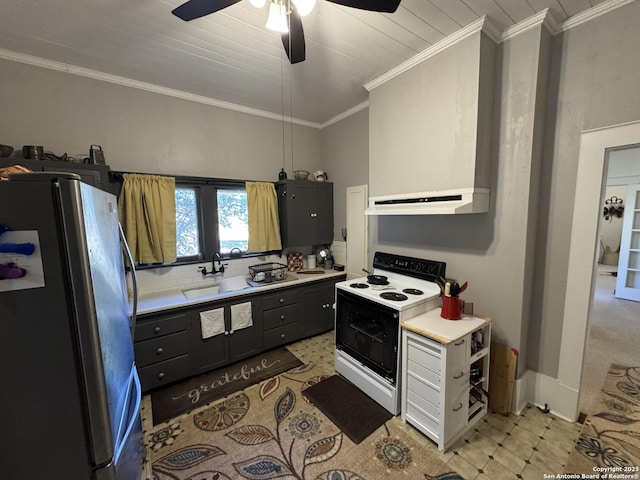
[233, 228]
[187, 229]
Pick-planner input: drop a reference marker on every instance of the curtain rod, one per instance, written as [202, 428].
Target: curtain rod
[185, 179]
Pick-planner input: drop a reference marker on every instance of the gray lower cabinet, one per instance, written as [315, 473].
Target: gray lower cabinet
[170, 346]
[280, 313]
[161, 345]
[231, 344]
[318, 316]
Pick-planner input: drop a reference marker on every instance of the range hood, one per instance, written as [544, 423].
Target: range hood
[447, 202]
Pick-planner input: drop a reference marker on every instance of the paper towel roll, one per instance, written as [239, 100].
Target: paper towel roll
[311, 261]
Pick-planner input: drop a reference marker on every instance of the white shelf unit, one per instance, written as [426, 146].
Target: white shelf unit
[444, 378]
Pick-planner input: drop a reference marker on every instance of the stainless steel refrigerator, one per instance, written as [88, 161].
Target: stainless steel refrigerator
[69, 390]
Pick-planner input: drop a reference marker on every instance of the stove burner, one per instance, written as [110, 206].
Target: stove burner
[413, 291]
[396, 297]
[359, 285]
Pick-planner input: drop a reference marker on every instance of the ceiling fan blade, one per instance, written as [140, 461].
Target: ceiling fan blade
[293, 41]
[199, 8]
[386, 6]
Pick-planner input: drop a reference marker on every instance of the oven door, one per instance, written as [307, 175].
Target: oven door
[368, 332]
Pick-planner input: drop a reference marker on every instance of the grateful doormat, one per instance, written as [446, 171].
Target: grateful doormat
[352, 411]
[195, 392]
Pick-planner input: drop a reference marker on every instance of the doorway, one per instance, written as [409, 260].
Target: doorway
[584, 246]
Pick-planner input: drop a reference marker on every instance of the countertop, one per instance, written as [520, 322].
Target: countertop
[173, 298]
[432, 325]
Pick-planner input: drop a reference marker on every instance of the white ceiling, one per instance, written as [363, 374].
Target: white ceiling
[229, 55]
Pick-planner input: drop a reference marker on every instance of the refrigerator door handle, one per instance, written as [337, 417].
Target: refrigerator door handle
[133, 414]
[134, 280]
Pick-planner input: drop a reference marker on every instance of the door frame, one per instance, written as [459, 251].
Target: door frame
[592, 163]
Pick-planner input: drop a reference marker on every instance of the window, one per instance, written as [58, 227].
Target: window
[233, 227]
[187, 225]
[210, 217]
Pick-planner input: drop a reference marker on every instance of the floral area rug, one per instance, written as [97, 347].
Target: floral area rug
[270, 431]
[609, 443]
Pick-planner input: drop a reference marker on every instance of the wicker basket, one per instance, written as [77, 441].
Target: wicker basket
[268, 272]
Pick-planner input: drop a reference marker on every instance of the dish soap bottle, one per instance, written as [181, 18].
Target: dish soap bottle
[282, 175]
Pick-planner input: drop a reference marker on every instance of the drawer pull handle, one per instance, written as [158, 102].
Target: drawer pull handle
[457, 408]
[282, 336]
[282, 317]
[282, 300]
[159, 351]
[160, 375]
[156, 330]
[460, 342]
[460, 375]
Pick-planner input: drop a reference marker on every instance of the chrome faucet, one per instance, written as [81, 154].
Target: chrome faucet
[216, 258]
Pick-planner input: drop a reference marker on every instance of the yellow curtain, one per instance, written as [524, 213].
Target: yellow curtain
[264, 227]
[147, 209]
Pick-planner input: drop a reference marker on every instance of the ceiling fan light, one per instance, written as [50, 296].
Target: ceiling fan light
[277, 19]
[304, 7]
[258, 3]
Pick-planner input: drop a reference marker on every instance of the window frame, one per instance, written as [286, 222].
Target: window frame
[208, 242]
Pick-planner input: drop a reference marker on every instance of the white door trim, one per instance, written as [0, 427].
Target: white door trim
[582, 253]
[357, 230]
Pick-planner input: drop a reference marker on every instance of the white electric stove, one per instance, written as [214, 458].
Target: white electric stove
[369, 310]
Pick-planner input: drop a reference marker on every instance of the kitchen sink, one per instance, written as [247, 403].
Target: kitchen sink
[199, 292]
[231, 284]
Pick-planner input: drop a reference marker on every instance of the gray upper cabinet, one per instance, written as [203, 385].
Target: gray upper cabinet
[306, 212]
[95, 175]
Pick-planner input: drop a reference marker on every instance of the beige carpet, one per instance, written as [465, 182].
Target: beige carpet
[609, 442]
[613, 332]
[270, 431]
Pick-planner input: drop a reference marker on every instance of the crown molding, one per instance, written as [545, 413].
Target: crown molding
[590, 14]
[445, 43]
[345, 114]
[149, 87]
[544, 18]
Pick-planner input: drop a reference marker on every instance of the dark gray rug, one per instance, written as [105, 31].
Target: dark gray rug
[195, 392]
[352, 411]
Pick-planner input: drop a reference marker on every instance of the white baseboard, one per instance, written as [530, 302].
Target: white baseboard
[541, 390]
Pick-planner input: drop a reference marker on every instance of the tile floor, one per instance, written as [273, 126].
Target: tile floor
[526, 447]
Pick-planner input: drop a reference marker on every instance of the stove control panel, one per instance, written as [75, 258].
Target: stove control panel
[412, 267]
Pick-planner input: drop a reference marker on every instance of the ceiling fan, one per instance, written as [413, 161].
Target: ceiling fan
[284, 16]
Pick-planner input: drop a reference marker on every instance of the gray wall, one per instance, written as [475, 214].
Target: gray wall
[146, 132]
[425, 123]
[594, 83]
[516, 256]
[490, 251]
[345, 154]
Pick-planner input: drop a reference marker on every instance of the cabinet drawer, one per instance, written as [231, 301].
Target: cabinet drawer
[162, 348]
[457, 380]
[163, 373]
[457, 351]
[279, 299]
[426, 391]
[280, 316]
[425, 355]
[426, 423]
[456, 413]
[280, 336]
[161, 326]
[425, 374]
